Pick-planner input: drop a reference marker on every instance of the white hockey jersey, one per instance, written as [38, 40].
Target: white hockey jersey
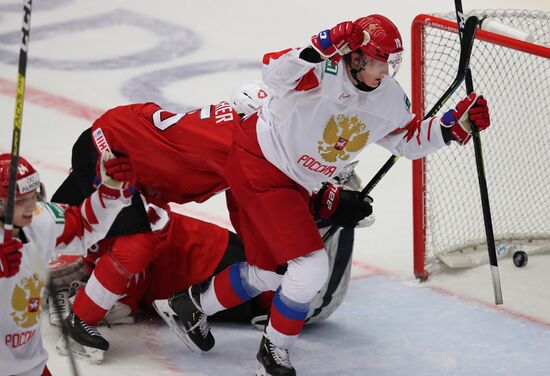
[317, 121]
[54, 227]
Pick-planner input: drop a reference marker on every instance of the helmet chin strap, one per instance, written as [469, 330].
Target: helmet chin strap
[360, 84]
[354, 74]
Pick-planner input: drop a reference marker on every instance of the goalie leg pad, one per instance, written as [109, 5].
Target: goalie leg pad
[65, 269]
[60, 309]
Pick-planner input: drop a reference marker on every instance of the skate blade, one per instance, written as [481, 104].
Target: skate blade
[55, 319]
[171, 319]
[93, 355]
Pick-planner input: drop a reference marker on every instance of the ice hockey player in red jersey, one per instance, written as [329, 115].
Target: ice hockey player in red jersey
[40, 228]
[330, 101]
[188, 251]
[189, 149]
[191, 251]
[177, 158]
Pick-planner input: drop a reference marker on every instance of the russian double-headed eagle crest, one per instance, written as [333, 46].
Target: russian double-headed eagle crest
[342, 135]
[25, 301]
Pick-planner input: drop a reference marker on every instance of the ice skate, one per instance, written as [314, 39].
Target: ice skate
[184, 315]
[85, 341]
[274, 360]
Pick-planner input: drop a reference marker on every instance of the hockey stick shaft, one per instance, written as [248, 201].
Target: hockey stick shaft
[16, 142]
[18, 118]
[64, 331]
[464, 62]
[480, 166]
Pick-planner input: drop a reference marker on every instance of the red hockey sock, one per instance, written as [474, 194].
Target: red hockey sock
[106, 284]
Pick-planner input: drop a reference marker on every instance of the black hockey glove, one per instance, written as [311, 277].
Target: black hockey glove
[344, 207]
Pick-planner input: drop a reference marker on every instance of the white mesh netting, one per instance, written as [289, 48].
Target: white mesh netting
[516, 148]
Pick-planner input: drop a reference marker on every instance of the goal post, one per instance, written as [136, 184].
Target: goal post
[513, 72]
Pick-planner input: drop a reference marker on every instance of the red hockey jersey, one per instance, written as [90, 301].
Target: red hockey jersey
[177, 157]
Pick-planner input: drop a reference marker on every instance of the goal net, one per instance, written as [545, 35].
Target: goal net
[514, 76]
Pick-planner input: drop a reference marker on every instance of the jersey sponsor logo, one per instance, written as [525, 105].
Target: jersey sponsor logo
[15, 340]
[25, 301]
[342, 135]
[57, 211]
[330, 67]
[28, 183]
[100, 141]
[316, 166]
[344, 96]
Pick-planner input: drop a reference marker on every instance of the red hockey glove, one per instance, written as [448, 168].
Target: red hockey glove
[117, 175]
[339, 40]
[472, 109]
[342, 206]
[120, 169]
[10, 258]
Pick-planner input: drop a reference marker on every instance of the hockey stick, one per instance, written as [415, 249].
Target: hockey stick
[463, 64]
[15, 145]
[18, 119]
[53, 295]
[491, 249]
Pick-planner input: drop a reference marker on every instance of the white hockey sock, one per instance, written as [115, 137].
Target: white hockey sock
[209, 301]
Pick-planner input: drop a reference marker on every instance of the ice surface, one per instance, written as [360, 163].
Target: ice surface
[86, 57]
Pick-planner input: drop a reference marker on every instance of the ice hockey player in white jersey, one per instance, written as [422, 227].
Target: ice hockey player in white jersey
[329, 102]
[40, 228]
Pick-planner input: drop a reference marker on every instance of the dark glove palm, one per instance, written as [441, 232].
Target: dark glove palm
[344, 207]
[351, 209]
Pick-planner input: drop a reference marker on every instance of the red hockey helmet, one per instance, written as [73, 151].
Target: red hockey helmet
[385, 42]
[28, 178]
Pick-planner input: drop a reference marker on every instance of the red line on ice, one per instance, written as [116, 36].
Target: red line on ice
[372, 271]
[53, 101]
